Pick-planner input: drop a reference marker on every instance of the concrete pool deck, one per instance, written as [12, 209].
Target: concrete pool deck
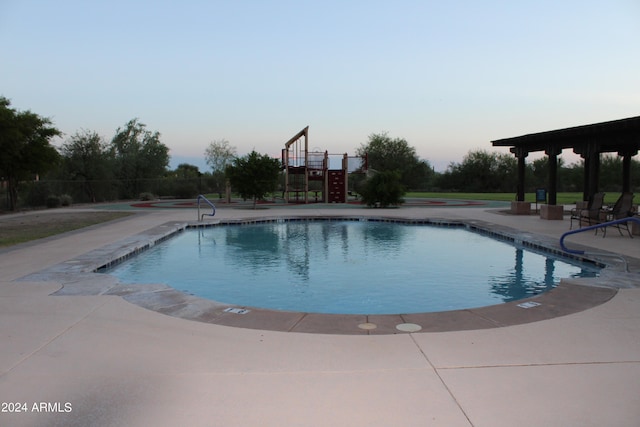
[100, 360]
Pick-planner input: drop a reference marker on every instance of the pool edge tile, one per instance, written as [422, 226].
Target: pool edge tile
[338, 324]
[260, 319]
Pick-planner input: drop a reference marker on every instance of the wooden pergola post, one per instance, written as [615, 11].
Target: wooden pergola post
[593, 176]
[521, 155]
[590, 153]
[626, 168]
[551, 210]
[552, 152]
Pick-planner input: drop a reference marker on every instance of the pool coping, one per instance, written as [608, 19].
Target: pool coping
[79, 277]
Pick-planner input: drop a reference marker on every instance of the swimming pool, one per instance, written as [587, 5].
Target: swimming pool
[348, 267]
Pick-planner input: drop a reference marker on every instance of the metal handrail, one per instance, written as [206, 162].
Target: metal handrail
[213, 207]
[595, 227]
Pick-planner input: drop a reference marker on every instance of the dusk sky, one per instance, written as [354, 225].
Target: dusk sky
[447, 76]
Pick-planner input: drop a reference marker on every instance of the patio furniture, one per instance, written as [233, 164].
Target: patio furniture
[590, 214]
[622, 209]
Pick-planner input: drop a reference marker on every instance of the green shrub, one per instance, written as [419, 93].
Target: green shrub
[34, 193]
[383, 189]
[185, 190]
[146, 197]
[53, 201]
[66, 200]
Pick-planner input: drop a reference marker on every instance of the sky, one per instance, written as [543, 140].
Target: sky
[447, 76]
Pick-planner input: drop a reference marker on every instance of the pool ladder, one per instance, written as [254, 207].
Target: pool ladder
[595, 227]
[207, 201]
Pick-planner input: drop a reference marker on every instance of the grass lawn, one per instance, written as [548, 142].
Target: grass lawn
[562, 198]
[24, 228]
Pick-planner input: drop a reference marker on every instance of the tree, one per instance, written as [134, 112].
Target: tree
[481, 172]
[25, 147]
[539, 169]
[611, 173]
[383, 189]
[395, 154]
[573, 176]
[218, 155]
[254, 175]
[86, 159]
[186, 171]
[539, 173]
[185, 181]
[138, 156]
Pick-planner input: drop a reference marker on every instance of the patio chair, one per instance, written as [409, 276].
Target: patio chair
[590, 214]
[622, 209]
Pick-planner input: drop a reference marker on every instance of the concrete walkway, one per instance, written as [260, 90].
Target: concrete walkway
[101, 361]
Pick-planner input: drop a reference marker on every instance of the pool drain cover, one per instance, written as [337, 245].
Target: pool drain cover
[367, 326]
[408, 327]
[236, 310]
[529, 304]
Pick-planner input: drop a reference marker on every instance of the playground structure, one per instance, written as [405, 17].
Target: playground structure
[308, 172]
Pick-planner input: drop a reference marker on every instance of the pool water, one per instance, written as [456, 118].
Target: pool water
[348, 267]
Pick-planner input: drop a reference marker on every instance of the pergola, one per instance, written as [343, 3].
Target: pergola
[617, 136]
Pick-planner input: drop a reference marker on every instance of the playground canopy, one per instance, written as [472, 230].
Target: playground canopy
[621, 136]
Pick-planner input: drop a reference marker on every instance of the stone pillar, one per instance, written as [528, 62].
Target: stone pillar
[520, 208]
[553, 212]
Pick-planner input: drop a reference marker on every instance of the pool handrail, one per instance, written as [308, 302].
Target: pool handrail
[207, 201]
[595, 227]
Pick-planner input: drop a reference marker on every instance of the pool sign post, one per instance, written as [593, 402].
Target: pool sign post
[541, 196]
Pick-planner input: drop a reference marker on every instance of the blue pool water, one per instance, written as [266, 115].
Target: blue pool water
[348, 267]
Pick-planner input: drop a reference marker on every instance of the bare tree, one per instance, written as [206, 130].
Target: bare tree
[218, 155]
